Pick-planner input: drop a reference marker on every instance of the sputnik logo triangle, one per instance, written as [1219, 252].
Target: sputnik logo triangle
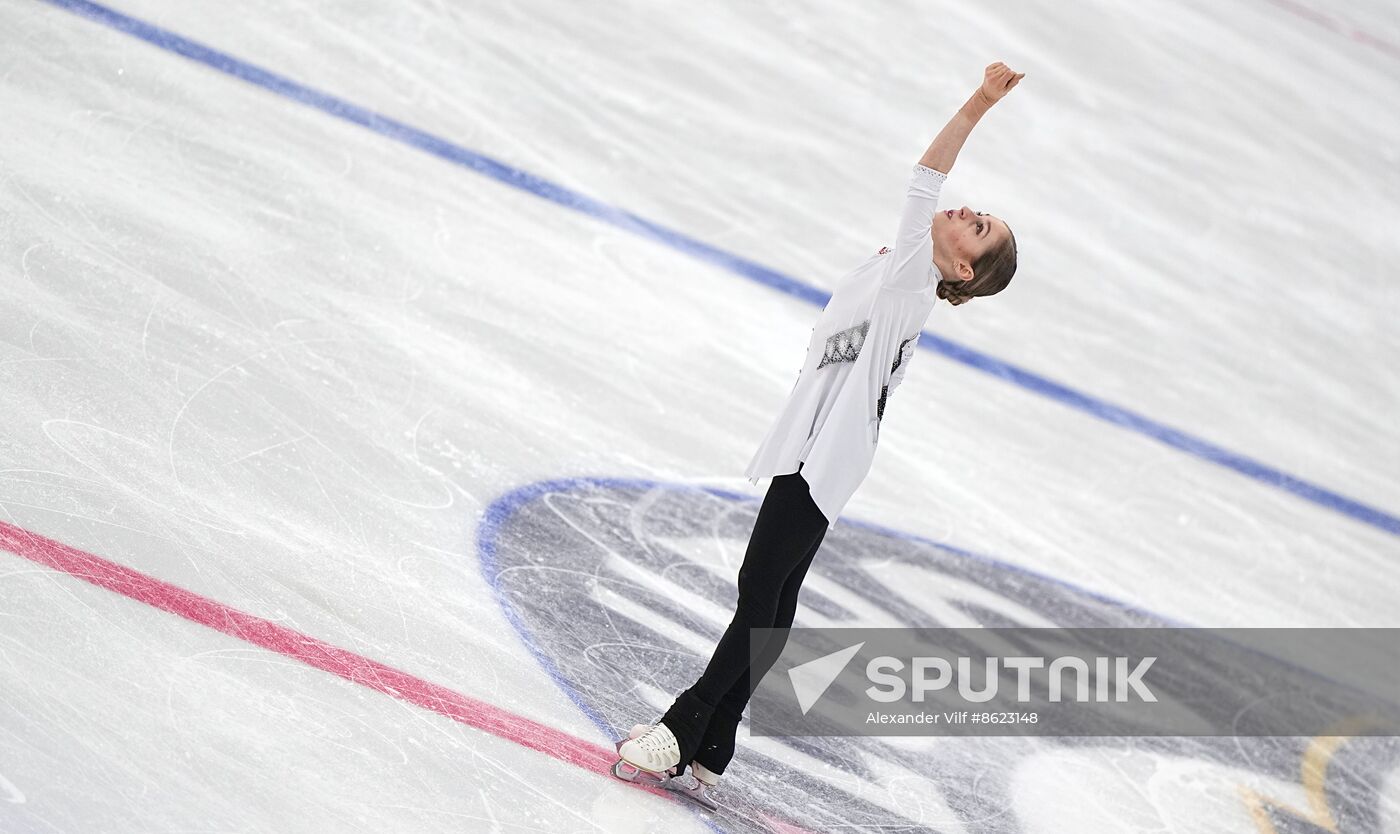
[810, 680]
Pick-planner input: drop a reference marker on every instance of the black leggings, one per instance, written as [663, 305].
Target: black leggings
[786, 535]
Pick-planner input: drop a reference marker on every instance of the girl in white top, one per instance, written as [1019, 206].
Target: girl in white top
[821, 446]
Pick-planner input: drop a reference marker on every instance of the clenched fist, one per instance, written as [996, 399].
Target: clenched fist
[998, 81]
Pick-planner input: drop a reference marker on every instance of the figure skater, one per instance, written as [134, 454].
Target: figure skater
[821, 445]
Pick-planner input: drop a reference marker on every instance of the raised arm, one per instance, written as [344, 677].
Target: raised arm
[913, 245]
[996, 82]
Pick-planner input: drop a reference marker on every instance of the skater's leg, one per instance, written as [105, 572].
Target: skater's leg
[786, 533]
[738, 695]
[717, 745]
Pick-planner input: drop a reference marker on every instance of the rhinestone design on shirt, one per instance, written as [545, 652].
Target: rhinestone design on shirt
[885, 389]
[845, 346]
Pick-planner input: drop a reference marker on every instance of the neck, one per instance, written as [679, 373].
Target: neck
[943, 265]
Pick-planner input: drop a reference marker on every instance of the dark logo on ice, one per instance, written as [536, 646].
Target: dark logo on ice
[621, 589]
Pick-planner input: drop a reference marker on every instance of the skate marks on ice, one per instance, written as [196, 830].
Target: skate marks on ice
[9, 793]
[622, 587]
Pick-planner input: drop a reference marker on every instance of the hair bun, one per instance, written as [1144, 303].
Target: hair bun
[954, 298]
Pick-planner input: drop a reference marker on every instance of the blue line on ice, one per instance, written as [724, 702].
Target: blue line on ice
[623, 219]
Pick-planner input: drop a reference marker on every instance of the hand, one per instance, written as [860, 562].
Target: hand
[998, 81]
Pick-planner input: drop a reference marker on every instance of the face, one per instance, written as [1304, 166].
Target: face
[961, 236]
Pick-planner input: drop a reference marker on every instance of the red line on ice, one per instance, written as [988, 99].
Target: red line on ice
[319, 654]
[308, 650]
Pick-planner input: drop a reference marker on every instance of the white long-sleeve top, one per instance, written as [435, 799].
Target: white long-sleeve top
[860, 349]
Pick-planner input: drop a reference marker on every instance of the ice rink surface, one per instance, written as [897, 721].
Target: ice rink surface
[378, 379]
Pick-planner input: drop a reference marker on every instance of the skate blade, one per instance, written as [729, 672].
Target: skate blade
[631, 773]
[696, 793]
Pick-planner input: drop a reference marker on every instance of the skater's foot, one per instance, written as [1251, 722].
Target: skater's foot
[697, 788]
[637, 776]
[704, 775]
[631, 773]
[655, 750]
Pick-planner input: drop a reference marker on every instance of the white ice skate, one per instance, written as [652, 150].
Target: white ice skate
[648, 756]
[697, 787]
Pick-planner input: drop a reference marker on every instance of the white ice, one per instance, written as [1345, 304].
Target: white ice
[285, 362]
